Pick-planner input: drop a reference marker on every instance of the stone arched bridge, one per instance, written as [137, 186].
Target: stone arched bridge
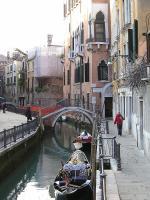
[51, 118]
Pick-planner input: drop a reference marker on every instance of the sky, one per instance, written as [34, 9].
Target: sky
[25, 24]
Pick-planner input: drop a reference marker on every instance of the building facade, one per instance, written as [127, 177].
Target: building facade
[45, 75]
[130, 59]
[87, 75]
[15, 77]
[3, 63]
[30, 79]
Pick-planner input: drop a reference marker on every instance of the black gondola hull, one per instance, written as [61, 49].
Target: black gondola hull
[83, 193]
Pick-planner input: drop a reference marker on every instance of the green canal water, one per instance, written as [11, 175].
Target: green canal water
[34, 177]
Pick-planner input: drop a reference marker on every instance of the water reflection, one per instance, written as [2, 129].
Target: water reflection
[33, 179]
[14, 184]
[66, 133]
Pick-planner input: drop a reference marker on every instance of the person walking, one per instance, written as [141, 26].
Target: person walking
[4, 106]
[28, 114]
[119, 121]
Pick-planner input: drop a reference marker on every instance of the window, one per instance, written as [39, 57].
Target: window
[88, 100]
[123, 12]
[77, 73]
[81, 70]
[8, 81]
[28, 86]
[73, 43]
[14, 67]
[68, 77]
[64, 77]
[100, 27]
[11, 67]
[133, 41]
[102, 71]
[14, 79]
[82, 34]
[87, 72]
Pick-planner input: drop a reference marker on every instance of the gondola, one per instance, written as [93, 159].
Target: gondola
[73, 180]
[83, 141]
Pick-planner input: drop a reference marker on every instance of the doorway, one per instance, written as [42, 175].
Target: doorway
[108, 106]
[141, 125]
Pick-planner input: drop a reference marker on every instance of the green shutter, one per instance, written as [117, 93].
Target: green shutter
[86, 72]
[130, 43]
[135, 39]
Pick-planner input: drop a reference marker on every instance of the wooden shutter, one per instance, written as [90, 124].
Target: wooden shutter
[136, 36]
[130, 43]
[86, 72]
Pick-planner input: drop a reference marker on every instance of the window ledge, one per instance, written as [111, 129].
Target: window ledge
[146, 79]
[104, 81]
[105, 43]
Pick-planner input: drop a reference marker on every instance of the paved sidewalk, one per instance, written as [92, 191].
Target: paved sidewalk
[133, 180]
[9, 120]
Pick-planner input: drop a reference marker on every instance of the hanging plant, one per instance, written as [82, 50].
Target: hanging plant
[135, 74]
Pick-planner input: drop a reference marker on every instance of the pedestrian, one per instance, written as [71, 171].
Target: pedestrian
[28, 114]
[4, 107]
[119, 121]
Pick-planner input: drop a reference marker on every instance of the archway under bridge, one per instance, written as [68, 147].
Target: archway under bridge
[55, 115]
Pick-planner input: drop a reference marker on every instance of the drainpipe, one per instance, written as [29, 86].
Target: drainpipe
[70, 60]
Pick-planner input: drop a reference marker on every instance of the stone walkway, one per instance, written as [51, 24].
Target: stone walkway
[9, 120]
[133, 180]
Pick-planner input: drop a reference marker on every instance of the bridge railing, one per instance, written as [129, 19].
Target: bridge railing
[12, 135]
[77, 103]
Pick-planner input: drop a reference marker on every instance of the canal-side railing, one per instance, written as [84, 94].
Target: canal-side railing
[111, 149]
[116, 154]
[107, 148]
[12, 135]
[101, 169]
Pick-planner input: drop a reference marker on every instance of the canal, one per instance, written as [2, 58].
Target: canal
[34, 177]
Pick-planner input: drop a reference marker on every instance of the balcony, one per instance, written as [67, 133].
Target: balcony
[80, 51]
[71, 55]
[146, 73]
[90, 42]
[94, 41]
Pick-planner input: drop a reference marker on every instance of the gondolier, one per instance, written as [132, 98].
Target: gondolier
[73, 181]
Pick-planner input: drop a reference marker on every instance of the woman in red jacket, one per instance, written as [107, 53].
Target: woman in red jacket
[119, 121]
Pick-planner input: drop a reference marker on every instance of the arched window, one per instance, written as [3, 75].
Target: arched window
[102, 70]
[100, 27]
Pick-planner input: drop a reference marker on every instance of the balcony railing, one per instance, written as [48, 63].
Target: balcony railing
[94, 41]
[71, 55]
[90, 40]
